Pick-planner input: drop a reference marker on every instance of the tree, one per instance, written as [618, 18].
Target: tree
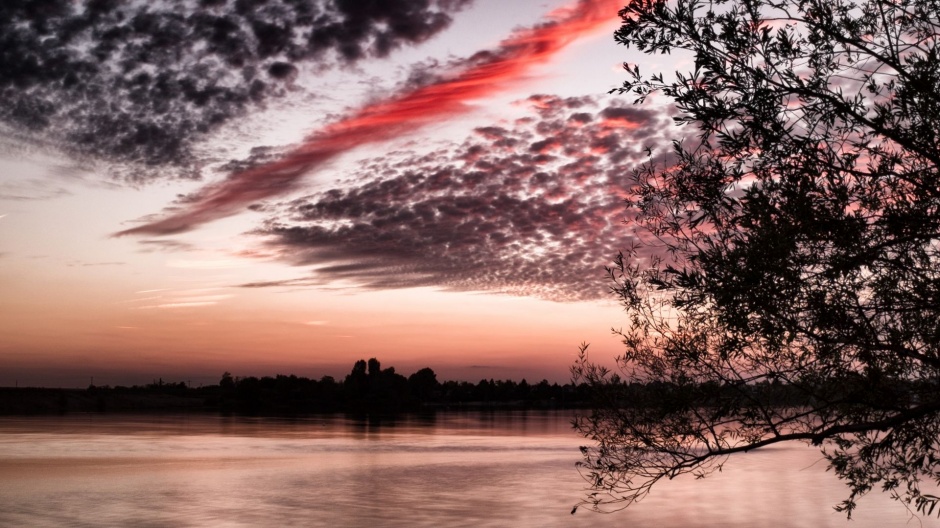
[378, 390]
[227, 382]
[786, 286]
[423, 385]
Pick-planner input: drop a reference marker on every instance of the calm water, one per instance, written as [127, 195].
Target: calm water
[456, 469]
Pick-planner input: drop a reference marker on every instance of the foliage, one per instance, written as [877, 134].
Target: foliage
[378, 390]
[371, 389]
[792, 243]
[367, 390]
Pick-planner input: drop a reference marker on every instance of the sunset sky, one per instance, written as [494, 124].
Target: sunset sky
[197, 187]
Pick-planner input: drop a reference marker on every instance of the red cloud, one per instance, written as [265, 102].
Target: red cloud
[481, 75]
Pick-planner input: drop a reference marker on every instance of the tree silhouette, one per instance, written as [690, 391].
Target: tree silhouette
[787, 283]
[423, 384]
[227, 383]
[378, 390]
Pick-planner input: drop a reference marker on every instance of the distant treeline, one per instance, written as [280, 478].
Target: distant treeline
[368, 388]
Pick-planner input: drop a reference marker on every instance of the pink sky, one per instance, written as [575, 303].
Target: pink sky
[446, 196]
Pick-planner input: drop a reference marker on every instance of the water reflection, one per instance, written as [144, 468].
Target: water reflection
[445, 469]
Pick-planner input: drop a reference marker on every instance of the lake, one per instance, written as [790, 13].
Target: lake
[505, 468]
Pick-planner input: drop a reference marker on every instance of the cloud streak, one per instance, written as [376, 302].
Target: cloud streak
[475, 77]
[187, 298]
[31, 189]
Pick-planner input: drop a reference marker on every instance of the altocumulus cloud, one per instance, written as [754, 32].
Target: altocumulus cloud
[427, 99]
[142, 82]
[533, 207]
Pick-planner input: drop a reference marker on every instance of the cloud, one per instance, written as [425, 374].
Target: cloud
[168, 299]
[79, 263]
[434, 98]
[43, 177]
[142, 82]
[284, 282]
[194, 304]
[31, 189]
[164, 245]
[534, 207]
[205, 264]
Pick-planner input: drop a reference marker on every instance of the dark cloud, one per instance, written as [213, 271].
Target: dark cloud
[541, 214]
[142, 82]
[305, 282]
[440, 96]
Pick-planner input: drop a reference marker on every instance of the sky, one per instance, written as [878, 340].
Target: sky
[283, 187]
